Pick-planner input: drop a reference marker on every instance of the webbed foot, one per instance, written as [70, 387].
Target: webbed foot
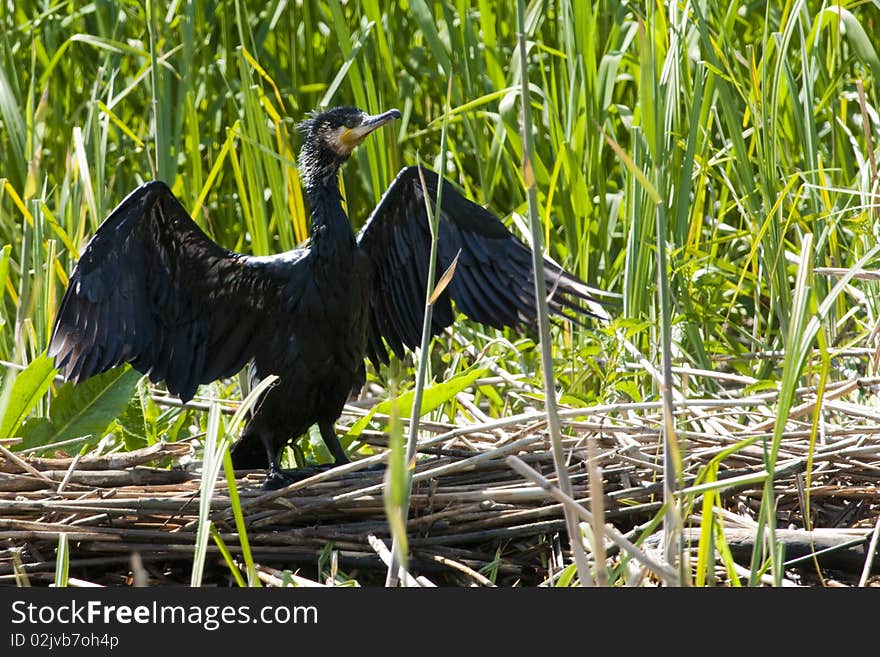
[277, 478]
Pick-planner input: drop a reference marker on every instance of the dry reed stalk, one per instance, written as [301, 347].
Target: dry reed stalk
[470, 513]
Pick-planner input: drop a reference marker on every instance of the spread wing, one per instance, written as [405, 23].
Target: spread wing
[493, 281]
[151, 289]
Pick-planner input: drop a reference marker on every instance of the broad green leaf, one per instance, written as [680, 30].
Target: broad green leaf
[492, 395]
[24, 391]
[36, 431]
[572, 400]
[133, 423]
[434, 396]
[88, 408]
[629, 388]
[567, 576]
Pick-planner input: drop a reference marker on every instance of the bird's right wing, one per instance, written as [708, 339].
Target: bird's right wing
[152, 289]
[493, 281]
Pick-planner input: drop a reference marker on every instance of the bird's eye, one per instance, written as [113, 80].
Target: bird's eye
[351, 123]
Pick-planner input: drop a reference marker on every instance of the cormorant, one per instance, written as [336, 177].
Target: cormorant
[152, 289]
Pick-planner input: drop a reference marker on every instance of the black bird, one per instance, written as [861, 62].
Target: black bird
[153, 290]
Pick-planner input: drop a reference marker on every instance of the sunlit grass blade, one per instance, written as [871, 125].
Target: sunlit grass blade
[241, 528]
[62, 561]
[227, 557]
[395, 493]
[217, 441]
[433, 214]
[543, 318]
[714, 138]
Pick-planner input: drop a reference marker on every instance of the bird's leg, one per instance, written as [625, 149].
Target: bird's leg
[328, 433]
[332, 442]
[275, 478]
[278, 478]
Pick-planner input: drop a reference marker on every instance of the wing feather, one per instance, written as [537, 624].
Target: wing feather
[493, 281]
[153, 290]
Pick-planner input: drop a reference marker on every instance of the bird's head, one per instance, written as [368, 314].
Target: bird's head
[331, 136]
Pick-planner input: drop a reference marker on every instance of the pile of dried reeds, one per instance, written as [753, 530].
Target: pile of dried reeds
[472, 517]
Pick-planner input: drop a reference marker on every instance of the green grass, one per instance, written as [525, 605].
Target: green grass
[700, 164]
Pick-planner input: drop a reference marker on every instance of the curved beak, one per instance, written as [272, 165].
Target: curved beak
[371, 122]
[354, 136]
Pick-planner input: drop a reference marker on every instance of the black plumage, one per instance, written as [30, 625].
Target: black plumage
[152, 289]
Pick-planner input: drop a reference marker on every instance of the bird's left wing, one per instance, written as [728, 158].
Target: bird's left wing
[153, 290]
[493, 281]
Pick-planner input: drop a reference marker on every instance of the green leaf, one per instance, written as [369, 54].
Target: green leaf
[855, 34]
[22, 392]
[567, 576]
[133, 424]
[629, 388]
[425, 18]
[433, 397]
[88, 408]
[240, 526]
[572, 400]
[760, 386]
[36, 431]
[138, 422]
[15, 127]
[492, 395]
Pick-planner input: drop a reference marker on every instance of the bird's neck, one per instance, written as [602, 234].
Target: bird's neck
[329, 221]
[319, 171]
